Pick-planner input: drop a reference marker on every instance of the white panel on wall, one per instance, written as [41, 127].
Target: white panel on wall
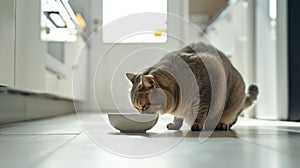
[80, 70]
[233, 33]
[266, 63]
[63, 86]
[103, 78]
[30, 50]
[7, 28]
[282, 59]
[122, 26]
[271, 60]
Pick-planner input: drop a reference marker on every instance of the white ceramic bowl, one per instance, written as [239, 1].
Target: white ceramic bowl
[132, 123]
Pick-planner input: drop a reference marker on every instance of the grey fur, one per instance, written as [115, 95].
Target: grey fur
[197, 83]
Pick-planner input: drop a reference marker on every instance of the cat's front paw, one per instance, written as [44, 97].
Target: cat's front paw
[197, 127]
[173, 126]
[223, 127]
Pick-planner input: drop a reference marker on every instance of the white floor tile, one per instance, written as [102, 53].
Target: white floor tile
[67, 124]
[59, 142]
[18, 151]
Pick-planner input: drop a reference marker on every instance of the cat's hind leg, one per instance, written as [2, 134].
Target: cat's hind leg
[228, 119]
[176, 124]
[236, 106]
[201, 116]
[230, 116]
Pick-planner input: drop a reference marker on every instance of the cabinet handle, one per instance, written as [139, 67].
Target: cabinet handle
[75, 67]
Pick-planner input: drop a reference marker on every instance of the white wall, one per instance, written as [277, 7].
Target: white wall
[30, 50]
[233, 33]
[103, 77]
[271, 62]
[266, 62]
[7, 33]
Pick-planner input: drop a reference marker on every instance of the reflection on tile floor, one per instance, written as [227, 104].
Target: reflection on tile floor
[61, 142]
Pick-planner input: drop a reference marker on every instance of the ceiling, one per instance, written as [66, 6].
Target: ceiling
[208, 7]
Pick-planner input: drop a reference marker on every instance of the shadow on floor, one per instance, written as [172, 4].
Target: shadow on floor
[183, 133]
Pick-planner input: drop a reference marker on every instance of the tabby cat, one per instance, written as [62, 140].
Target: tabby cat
[197, 84]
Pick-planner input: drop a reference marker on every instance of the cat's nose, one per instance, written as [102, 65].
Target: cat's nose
[144, 108]
[140, 110]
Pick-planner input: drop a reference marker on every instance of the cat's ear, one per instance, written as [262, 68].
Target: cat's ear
[149, 81]
[130, 76]
[188, 49]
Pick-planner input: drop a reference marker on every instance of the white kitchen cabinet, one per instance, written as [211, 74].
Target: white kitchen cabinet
[79, 67]
[31, 53]
[31, 73]
[75, 55]
[33, 91]
[30, 50]
[7, 30]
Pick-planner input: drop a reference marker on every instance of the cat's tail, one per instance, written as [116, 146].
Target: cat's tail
[251, 96]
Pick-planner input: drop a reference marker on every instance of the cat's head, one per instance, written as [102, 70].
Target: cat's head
[146, 95]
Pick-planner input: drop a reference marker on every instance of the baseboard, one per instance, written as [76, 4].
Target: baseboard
[18, 107]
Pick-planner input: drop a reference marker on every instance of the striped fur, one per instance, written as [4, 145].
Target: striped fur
[198, 84]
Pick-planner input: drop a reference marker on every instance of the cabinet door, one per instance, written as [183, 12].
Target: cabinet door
[80, 70]
[75, 62]
[7, 29]
[30, 50]
[76, 55]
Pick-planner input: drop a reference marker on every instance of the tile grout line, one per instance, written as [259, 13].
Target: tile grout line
[48, 154]
[29, 134]
[262, 146]
[288, 130]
